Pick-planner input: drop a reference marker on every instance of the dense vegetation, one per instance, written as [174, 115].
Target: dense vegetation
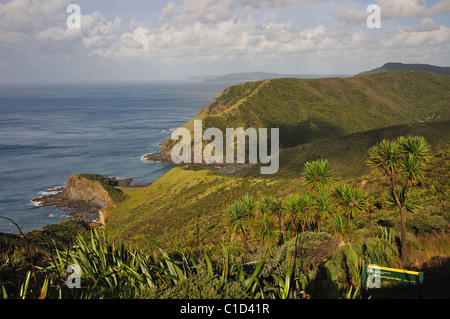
[311, 244]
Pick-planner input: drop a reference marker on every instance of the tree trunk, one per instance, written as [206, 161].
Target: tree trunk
[280, 236]
[403, 232]
[348, 226]
[244, 238]
[334, 226]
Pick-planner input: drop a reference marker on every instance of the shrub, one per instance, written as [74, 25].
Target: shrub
[343, 265]
[312, 250]
[201, 286]
[380, 252]
[424, 223]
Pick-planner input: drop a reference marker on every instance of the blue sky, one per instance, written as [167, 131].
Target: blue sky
[137, 40]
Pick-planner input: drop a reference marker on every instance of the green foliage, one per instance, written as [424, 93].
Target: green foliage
[347, 154]
[202, 286]
[317, 174]
[237, 217]
[412, 199]
[406, 155]
[425, 223]
[344, 265]
[380, 252]
[266, 229]
[402, 161]
[307, 264]
[353, 201]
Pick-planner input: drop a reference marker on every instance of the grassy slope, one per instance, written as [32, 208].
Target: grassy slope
[187, 203]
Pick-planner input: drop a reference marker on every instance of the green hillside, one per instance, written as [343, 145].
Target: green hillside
[306, 110]
[334, 118]
[190, 202]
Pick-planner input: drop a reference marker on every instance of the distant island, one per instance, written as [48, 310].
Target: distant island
[257, 76]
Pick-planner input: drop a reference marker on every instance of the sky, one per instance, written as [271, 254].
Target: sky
[151, 40]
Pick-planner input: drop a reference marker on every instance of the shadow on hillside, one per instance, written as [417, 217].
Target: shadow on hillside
[348, 154]
[323, 286]
[307, 132]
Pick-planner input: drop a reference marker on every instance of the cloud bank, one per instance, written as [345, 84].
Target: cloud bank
[238, 35]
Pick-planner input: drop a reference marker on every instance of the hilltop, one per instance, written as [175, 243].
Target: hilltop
[391, 67]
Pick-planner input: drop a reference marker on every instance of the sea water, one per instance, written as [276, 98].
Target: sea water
[49, 132]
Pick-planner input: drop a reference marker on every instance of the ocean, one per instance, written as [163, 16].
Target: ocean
[49, 132]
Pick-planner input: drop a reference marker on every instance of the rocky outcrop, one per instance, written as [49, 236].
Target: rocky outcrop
[84, 190]
[83, 197]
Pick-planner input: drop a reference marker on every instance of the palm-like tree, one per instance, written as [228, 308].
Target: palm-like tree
[300, 211]
[293, 208]
[352, 201]
[306, 213]
[341, 223]
[275, 207]
[249, 205]
[266, 229]
[402, 161]
[238, 220]
[317, 174]
[324, 208]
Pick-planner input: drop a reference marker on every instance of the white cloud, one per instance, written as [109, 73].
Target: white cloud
[191, 11]
[27, 15]
[426, 24]
[274, 3]
[351, 13]
[58, 34]
[411, 8]
[355, 13]
[30, 28]
[426, 33]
